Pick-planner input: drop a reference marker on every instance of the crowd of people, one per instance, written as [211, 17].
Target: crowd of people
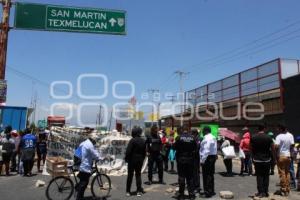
[18, 150]
[194, 151]
[191, 150]
[161, 149]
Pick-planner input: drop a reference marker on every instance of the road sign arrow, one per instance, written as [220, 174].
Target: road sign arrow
[112, 21]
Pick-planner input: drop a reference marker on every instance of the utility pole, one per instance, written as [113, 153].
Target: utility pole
[172, 98]
[34, 106]
[96, 122]
[132, 112]
[158, 115]
[110, 119]
[6, 5]
[99, 119]
[181, 75]
[152, 92]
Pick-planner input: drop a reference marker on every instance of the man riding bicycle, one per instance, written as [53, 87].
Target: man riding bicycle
[88, 154]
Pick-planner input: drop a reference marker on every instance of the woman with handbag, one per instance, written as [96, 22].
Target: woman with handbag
[227, 160]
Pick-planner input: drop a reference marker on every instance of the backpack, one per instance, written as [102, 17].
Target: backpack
[77, 156]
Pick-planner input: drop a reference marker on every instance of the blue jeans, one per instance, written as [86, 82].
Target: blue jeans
[292, 174]
[246, 165]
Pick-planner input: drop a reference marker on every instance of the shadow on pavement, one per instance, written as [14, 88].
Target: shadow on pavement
[174, 184]
[225, 174]
[153, 183]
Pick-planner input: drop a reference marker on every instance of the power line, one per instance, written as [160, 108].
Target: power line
[245, 45]
[34, 79]
[164, 81]
[251, 53]
[254, 42]
[172, 98]
[238, 55]
[168, 82]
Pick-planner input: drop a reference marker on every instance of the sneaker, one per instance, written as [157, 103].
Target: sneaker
[128, 194]
[139, 194]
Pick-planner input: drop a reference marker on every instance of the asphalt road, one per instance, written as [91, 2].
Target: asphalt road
[23, 188]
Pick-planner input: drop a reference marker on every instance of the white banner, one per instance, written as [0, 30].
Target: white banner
[63, 142]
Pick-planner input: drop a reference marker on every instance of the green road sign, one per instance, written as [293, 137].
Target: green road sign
[42, 123]
[70, 19]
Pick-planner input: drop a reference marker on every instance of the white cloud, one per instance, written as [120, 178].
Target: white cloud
[66, 106]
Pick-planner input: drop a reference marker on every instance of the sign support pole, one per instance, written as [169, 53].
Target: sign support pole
[6, 4]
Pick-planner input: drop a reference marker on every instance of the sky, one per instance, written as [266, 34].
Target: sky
[210, 39]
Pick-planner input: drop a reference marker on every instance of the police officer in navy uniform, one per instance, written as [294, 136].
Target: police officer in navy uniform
[196, 175]
[186, 148]
[154, 147]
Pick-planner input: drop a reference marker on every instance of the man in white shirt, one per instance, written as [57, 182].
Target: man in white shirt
[88, 154]
[208, 157]
[284, 145]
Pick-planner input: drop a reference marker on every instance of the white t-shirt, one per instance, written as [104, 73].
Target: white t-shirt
[208, 147]
[284, 141]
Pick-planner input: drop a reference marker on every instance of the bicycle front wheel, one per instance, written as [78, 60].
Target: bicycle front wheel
[60, 188]
[101, 186]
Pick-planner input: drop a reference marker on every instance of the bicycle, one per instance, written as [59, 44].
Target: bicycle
[62, 187]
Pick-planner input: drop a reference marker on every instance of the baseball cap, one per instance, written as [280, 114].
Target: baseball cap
[14, 133]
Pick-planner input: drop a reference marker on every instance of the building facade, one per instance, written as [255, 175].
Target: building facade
[265, 94]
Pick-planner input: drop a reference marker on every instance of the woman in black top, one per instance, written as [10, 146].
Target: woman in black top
[135, 155]
[41, 150]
